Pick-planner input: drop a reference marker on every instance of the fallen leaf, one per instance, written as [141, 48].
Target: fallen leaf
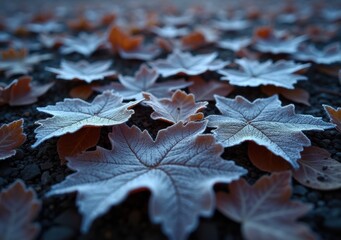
[328, 55]
[84, 44]
[83, 70]
[234, 44]
[185, 62]
[19, 206]
[19, 62]
[334, 115]
[329, 70]
[181, 107]
[12, 136]
[205, 90]
[21, 92]
[254, 73]
[170, 31]
[297, 95]
[121, 40]
[71, 115]
[71, 144]
[265, 210]
[82, 91]
[266, 123]
[179, 168]
[143, 53]
[231, 24]
[143, 81]
[193, 40]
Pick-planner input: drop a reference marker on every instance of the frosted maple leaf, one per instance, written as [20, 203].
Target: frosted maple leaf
[143, 81]
[234, 44]
[179, 168]
[185, 62]
[170, 31]
[265, 122]
[253, 73]
[328, 55]
[83, 70]
[231, 24]
[278, 45]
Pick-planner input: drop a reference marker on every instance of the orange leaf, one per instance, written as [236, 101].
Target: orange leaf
[11, 137]
[297, 95]
[121, 40]
[265, 160]
[82, 92]
[263, 32]
[71, 144]
[334, 115]
[193, 40]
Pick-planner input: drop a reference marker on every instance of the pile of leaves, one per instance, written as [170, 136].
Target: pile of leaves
[129, 98]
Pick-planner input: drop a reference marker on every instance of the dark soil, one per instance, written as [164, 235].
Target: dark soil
[40, 168]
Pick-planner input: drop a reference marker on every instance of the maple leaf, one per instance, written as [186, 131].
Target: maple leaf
[143, 81]
[179, 168]
[19, 62]
[19, 206]
[253, 73]
[181, 107]
[45, 27]
[85, 44]
[185, 62]
[328, 55]
[83, 70]
[297, 95]
[205, 90]
[334, 115]
[234, 44]
[265, 209]
[21, 92]
[82, 91]
[121, 40]
[231, 24]
[170, 31]
[144, 53]
[11, 137]
[265, 122]
[50, 41]
[72, 114]
[71, 144]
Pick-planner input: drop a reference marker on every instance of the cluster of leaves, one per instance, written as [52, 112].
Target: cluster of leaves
[183, 163]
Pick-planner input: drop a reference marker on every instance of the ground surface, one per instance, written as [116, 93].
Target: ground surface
[40, 168]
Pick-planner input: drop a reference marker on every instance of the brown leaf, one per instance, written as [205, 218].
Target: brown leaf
[318, 170]
[265, 160]
[265, 209]
[334, 115]
[205, 90]
[329, 70]
[193, 40]
[71, 144]
[81, 91]
[297, 95]
[19, 206]
[181, 107]
[11, 137]
[20, 92]
[122, 40]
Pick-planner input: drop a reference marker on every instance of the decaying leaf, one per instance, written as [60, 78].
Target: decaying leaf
[19, 207]
[334, 115]
[83, 70]
[143, 81]
[120, 40]
[328, 55]
[265, 209]
[179, 168]
[181, 107]
[85, 44]
[19, 62]
[205, 90]
[12, 136]
[185, 62]
[297, 95]
[71, 144]
[265, 122]
[21, 92]
[73, 114]
[82, 91]
[253, 73]
[316, 170]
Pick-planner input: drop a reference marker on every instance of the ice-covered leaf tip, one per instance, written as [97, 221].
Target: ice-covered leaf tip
[83, 70]
[185, 62]
[264, 209]
[19, 206]
[334, 115]
[253, 73]
[181, 107]
[265, 122]
[72, 114]
[143, 81]
[11, 137]
[179, 168]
